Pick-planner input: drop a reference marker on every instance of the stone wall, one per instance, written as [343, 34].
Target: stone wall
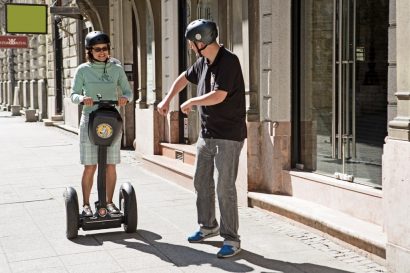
[22, 74]
[269, 138]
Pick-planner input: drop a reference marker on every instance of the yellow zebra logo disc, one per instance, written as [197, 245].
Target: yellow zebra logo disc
[104, 130]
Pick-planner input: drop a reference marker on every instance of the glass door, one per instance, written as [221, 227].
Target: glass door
[344, 87]
[343, 119]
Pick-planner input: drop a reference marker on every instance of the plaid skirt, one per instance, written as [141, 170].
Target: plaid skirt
[89, 151]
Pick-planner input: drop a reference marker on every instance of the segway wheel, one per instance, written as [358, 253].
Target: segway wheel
[128, 206]
[72, 216]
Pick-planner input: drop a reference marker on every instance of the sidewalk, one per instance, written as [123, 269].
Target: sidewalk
[38, 162]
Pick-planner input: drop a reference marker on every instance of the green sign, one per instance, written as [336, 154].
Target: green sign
[26, 18]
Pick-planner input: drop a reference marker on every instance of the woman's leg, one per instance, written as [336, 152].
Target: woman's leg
[87, 182]
[111, 179]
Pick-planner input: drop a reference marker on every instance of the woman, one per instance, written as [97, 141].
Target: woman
[101, 75]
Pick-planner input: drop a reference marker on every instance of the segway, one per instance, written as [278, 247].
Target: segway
[105, 126]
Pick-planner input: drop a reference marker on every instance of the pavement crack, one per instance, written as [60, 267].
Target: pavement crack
[27, 201]
[50, 145]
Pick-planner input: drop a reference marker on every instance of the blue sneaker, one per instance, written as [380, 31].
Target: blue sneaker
[228, 251]
[203, 234]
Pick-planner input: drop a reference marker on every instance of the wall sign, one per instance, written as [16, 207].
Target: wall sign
[9, 41]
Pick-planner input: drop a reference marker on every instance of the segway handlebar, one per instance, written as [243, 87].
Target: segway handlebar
[103, 102]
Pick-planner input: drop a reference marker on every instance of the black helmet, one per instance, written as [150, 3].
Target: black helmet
[201, 31]
[96, 37]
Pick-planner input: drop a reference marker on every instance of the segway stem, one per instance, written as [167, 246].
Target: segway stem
[101, 176]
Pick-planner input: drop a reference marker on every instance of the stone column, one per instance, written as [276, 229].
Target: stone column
[252, 112]
[42, 99]
[10, 77]
[4, 87]
[142, 53]
[170, 64]
[18, 68]
[4, 81]
[10, 94]
[254, 61]
[26, 76]
[270, 88]
[33, 74]
[121, 31]
[25, 86]
[396, 172]
[33, 94]
[2, 94]
[2, 65]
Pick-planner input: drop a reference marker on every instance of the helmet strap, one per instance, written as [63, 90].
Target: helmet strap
[199, 49]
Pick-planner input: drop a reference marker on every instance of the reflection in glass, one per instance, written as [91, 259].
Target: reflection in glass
[344, 88]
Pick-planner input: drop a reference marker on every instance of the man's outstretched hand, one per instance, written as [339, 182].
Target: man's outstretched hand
[163, 108]
[186, 107]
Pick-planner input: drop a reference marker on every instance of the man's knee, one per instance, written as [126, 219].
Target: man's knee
[226, 191]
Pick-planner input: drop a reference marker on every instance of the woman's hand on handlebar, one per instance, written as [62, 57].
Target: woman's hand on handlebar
[88, 101]
[122, 101]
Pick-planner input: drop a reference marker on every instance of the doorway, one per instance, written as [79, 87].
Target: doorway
[343, 88]
[58, 66]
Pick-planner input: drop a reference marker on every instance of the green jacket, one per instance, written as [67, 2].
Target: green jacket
[90, 80]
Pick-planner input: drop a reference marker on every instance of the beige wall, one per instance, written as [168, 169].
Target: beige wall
[396, 173]
[269, 139]
[170, 66]
[70, 63]
[396, 204]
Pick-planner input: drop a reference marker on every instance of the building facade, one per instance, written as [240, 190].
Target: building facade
[327, 90]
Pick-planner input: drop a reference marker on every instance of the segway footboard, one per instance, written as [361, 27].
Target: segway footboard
[98, 222]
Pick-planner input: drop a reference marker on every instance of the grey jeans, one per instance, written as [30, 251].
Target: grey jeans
[217, 161]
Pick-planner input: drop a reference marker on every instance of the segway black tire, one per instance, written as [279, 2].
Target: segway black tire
[128, 206]
[72, 216]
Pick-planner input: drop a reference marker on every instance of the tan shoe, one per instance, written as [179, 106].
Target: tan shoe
[87, 212]
[112, 209]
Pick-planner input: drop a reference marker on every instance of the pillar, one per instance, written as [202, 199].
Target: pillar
[396, 154]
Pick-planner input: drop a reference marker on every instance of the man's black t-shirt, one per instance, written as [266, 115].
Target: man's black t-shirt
[225, 120]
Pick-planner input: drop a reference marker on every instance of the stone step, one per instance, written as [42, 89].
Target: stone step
[48, 122]
[355, 232]
[57, 118]
[183, 152]
[172, 169]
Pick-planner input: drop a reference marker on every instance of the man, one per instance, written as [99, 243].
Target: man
[221, 103]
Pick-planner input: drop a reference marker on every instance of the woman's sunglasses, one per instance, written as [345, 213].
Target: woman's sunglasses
[99, 49]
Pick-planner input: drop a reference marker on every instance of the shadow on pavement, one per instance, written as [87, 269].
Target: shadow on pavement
[277, 265]
[183, 256]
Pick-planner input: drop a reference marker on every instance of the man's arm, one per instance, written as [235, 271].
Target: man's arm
[177, 86]
[211, 98]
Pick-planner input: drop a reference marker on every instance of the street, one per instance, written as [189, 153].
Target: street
[38, 162]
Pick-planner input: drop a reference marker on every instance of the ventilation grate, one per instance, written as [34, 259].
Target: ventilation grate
[179, 155]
